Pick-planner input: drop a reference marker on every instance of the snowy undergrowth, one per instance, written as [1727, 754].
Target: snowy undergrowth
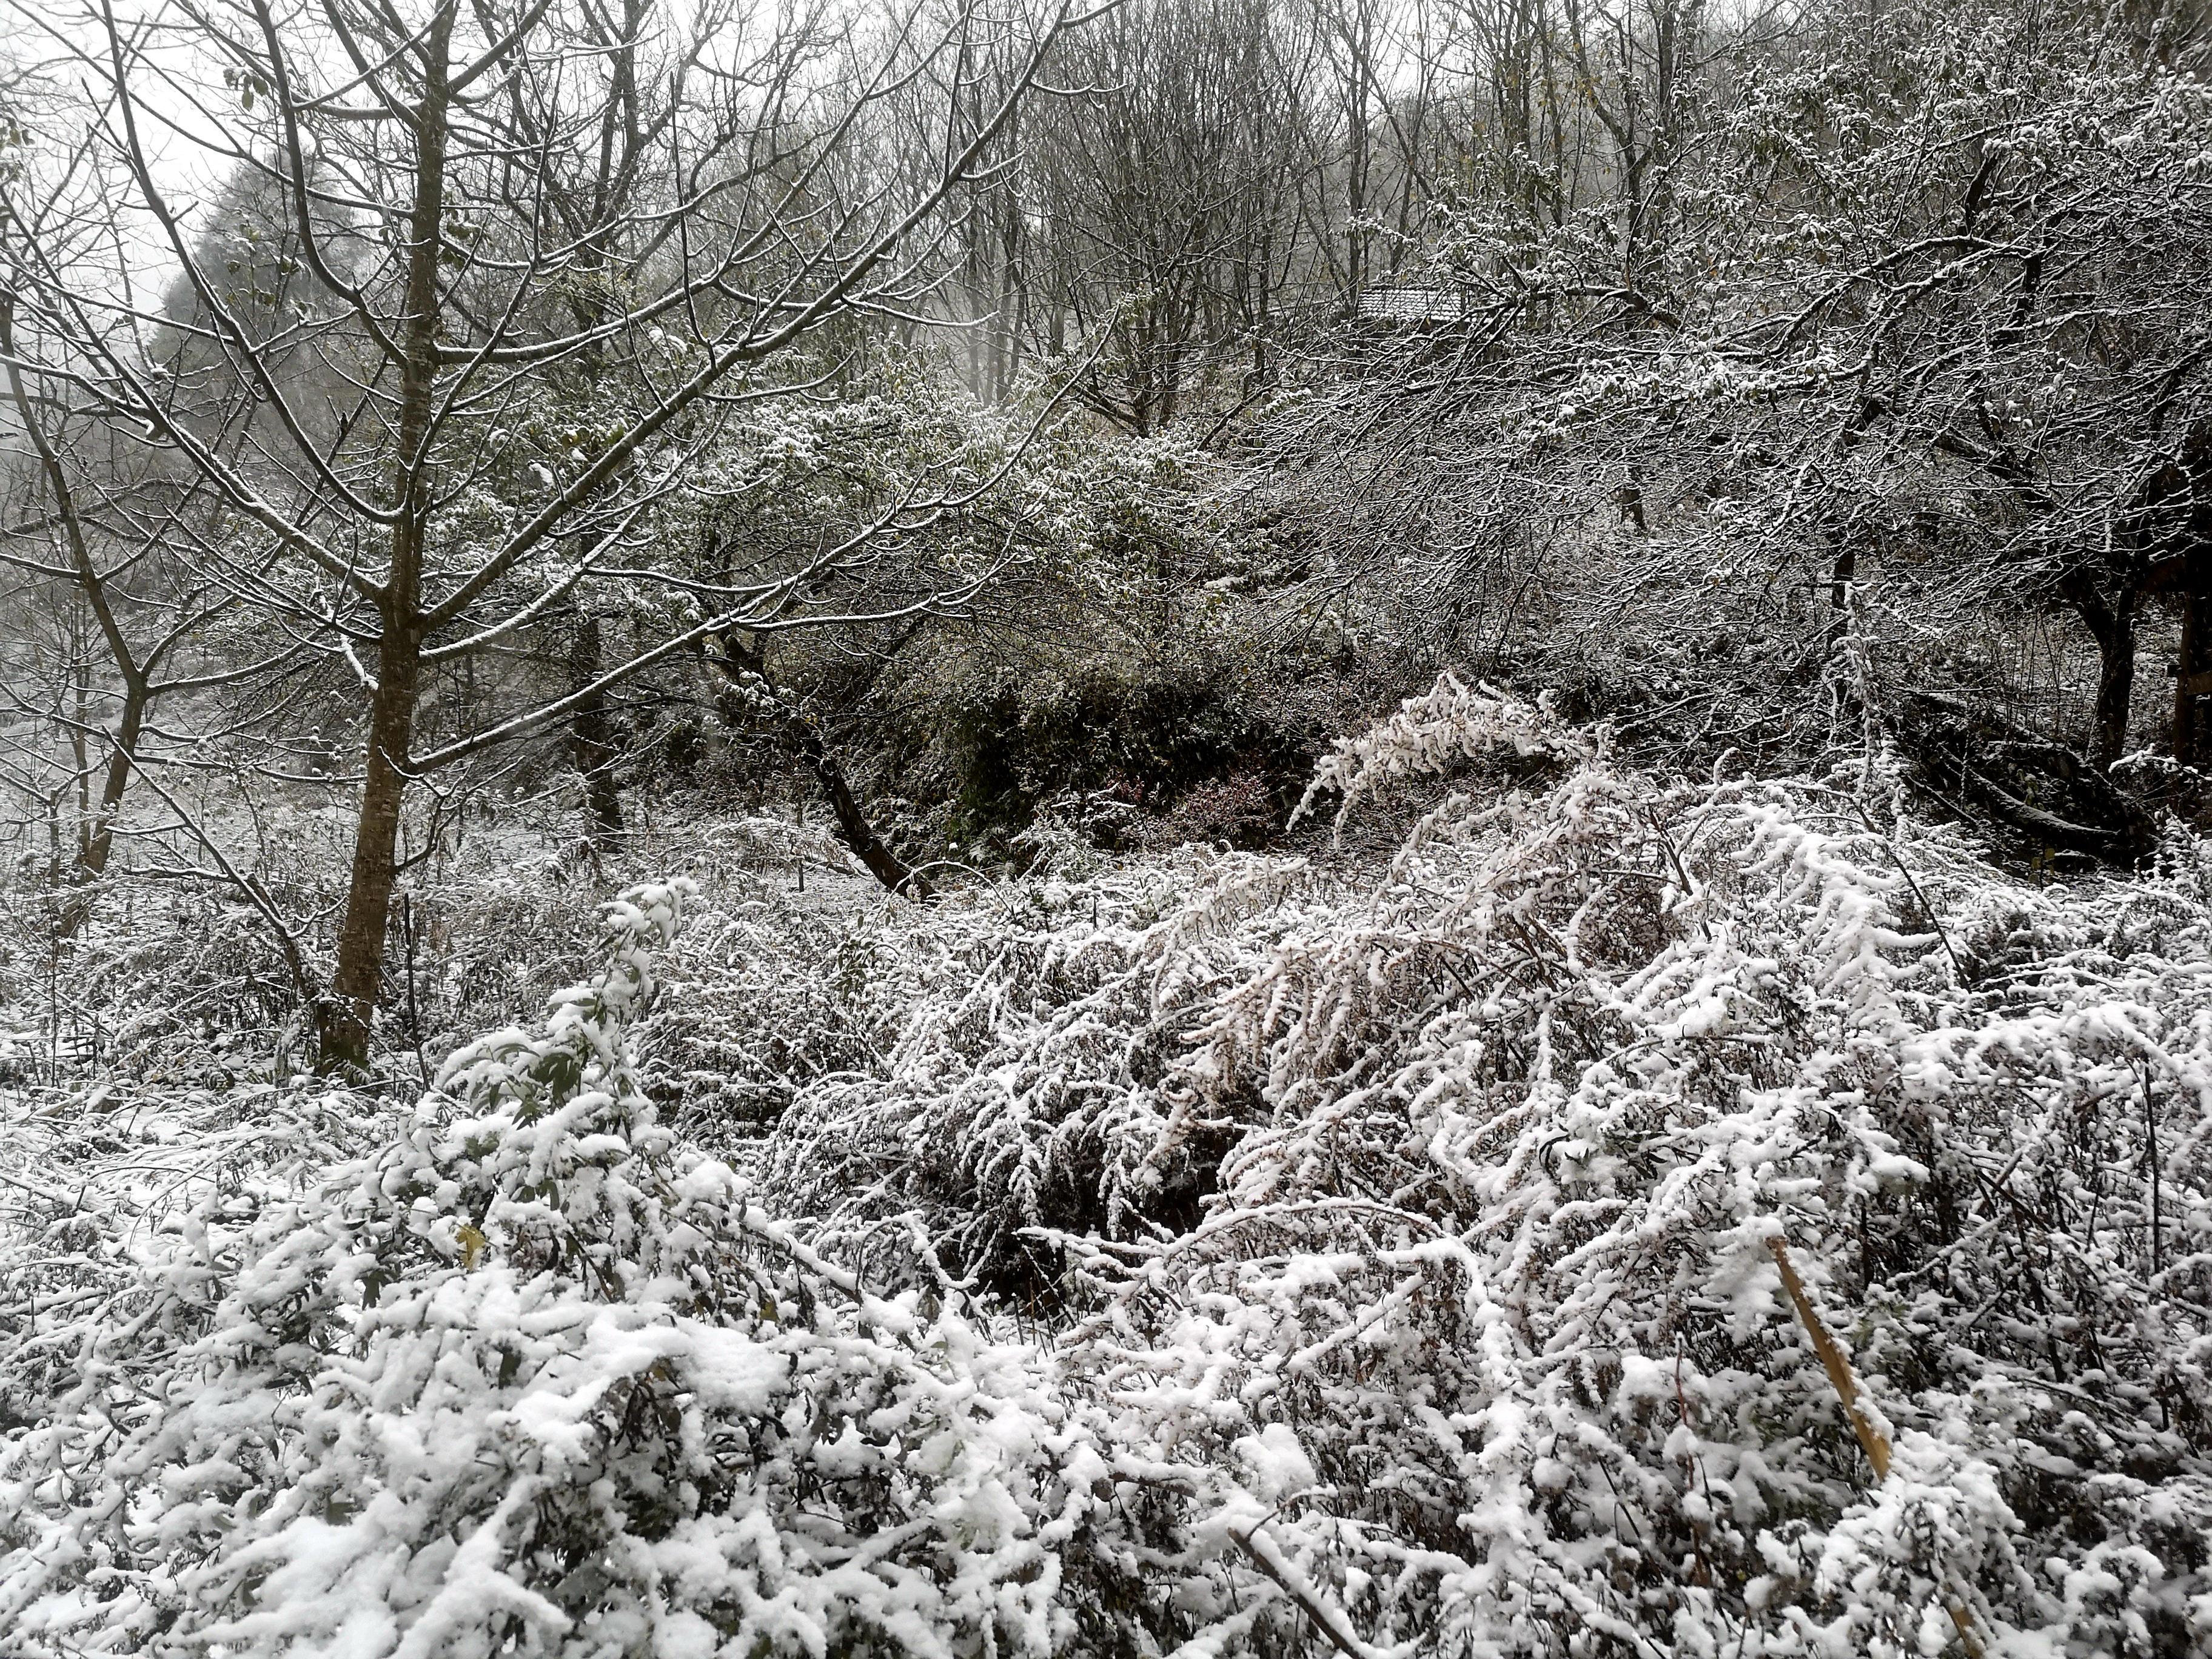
[1500, 1145]
[523, 1378]
[1643, 1218]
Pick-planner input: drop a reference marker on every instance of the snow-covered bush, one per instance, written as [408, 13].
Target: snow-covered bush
[1023, 1086]
[765, 995]
[1523, 1133]
[1433, 734]
[522, 1379]
[1638, 1217]
[1551, 1104]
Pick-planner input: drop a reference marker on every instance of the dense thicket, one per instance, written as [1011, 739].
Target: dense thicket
[702, 971]
[1635, 1216]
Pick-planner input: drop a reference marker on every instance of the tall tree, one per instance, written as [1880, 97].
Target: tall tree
[573, 242]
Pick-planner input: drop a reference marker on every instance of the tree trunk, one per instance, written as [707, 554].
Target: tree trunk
[2111, 623]
[762, 696]
[98, 841]
[357, 982]
[101, 841]
[852, 826]
[591, 740]
[2022, 778]
[357, 986]
[2192, 676]
[2115, 683]
[97, 837]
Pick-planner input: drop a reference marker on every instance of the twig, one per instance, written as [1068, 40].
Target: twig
[1324, 1617]
[1958, 972]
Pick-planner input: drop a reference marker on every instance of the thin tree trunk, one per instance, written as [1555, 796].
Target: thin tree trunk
[101, 841]
[2112, 624]
[97, 837]
[852, 826]
[763, 697]
[1843, 571]
[357, 982]
[357, 985]
[2192, 670]
[592, 738]
[2115, 683]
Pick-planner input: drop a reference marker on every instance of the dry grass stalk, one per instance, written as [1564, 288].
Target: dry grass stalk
[1872, 1440]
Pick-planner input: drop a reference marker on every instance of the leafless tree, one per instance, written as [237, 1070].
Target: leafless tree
[544, 251]
[92, 535]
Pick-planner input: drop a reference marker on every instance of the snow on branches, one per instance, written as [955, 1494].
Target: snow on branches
[1480, 1341]
[1638, 1216]
[527, 1380]
[1430, 733]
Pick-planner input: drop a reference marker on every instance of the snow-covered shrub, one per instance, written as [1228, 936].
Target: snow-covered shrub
[179, 986]
[522, 1379]
[1021, 1088]
[1638, 1217]
[1040, 1079]
[1482, 1343]
[767, 995]
[1431, 735]
[1548, 1107]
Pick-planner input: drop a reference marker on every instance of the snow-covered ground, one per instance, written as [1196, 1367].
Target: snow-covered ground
[1635, 1215]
